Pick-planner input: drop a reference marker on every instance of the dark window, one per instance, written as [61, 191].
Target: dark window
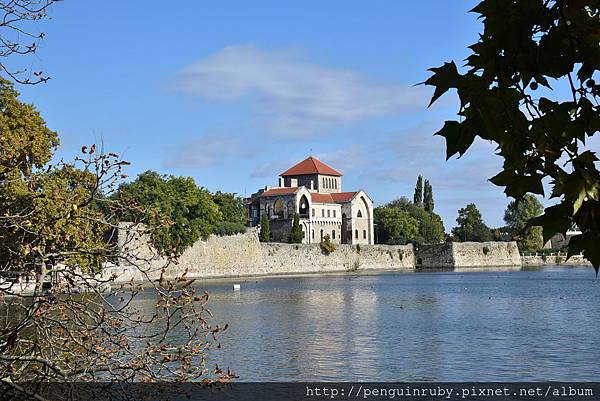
[359, 214]
[334, 213]
[365, 234]
[313, 234]
[313, 212]
[333, 234]
[355, 233]
[322, 212]
[328, 213]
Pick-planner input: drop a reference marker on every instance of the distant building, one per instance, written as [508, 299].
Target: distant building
[314, 191]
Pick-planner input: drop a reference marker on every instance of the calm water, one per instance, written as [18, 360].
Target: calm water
[449, 326]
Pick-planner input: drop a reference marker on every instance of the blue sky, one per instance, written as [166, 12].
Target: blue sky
[234, 92]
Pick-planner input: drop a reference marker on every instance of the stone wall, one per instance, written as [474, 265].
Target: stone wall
[244, 255]
[575, 260]
[469, 254]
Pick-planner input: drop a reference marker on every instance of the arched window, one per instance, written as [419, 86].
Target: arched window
[355, 233]
[365, 234]
[333, 234]
[336, 183]
[313, 234]
[321, 234]
[359, 214]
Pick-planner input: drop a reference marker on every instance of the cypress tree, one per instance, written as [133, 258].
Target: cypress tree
[296, 234]
[428, 197]
[265, 229]
[418, 197]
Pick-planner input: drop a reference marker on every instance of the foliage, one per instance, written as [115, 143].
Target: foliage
[418, 196]
[178, 212]
[517, 216]
[507, 96]
[431, 227]
[265, 229]
[233, 214]
[471, 226]
[428, 203]
[395, 226]
[296, 235]
[326, 245]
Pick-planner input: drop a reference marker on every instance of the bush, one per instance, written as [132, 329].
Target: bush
[486, 250]
[357, 248]
[326, 245]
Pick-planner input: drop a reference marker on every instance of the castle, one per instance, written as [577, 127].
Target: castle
[313, 190]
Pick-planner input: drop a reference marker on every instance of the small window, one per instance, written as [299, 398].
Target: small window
[321, 234]
[359, 214]
[313, 212]
[355, 233]
[322, 212]
[365, 234]
[334, 213]
[313, 234]
[328, 213]
[333, 234]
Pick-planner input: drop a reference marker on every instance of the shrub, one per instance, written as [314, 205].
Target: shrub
[486, 250]
[326, 245]
[357, 248]
[265, 229]
[296, 235]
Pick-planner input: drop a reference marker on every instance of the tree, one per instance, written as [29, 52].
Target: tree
[233, 214]
[428, 197]
[431, 227]
[326, 245]
[57, 226]
[395, 226]
[265, 229]
[517, 216]
[506, 96]
[17, 38]
[296, 235]
[418, 196]
[189, 211]
[471, 226]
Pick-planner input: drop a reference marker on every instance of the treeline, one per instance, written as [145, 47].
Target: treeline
[402, 221]
[189, 211]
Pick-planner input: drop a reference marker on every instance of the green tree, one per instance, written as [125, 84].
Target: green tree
[431, 227]
[233, 214]
[395, 226]
[188, 211]
[506, 96]
[471, 226]
[265, 229]
[418, 196]
[296, 235]
[428, 197]
[517, 216]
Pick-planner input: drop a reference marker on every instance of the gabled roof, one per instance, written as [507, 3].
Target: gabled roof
[280, 191]
[311, 165]
[339, 197]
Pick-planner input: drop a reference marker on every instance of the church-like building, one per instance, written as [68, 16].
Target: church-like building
[313, 190]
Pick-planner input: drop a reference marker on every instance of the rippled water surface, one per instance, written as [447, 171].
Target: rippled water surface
[449, 326]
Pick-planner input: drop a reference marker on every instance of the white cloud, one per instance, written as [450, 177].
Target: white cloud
[203, 152]
[294, 96]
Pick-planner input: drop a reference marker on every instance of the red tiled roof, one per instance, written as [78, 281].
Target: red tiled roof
[339, 197]
[280, 191]
[321, 198]
[343, 196]
[311, 165]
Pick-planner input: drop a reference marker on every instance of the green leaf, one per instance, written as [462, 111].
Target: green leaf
[458, 140]
[554, 220]
[443, 78]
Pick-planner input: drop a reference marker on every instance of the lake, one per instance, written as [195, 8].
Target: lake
[524, 325]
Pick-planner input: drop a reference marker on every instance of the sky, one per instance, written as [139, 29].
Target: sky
[232, 93]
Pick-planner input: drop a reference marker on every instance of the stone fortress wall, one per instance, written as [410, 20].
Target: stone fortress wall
[243, 255]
